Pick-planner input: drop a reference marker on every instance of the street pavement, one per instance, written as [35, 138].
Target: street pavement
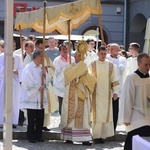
[58, 145]
[22, 143]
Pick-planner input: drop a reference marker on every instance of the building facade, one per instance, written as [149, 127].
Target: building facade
[137, 16]
[123, 21]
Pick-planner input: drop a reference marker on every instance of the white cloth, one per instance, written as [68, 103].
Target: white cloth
[90, 57]
[53, 99]
[17, 79]
[120, 63]
[1, 87]
[135, 102]
[18, 52]
[30, 94]
[27, 59]
[131, 66]
[16, 87]
[103, 125]
[58, 82]
[76, 135]
[138, 143]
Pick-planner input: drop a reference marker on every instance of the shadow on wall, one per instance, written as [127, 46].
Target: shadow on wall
[137, 30]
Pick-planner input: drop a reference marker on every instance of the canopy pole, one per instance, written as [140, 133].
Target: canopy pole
[44, 27]
[97, 39]
[69, 44]
[101, 30]
[21, 43]
[8, 75]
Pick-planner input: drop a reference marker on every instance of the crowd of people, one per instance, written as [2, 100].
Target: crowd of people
[93, 90]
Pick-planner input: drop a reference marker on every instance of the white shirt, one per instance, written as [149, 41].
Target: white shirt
[58, 82]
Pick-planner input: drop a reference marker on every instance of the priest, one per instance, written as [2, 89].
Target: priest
[131, 63]
[135, 101]
[17, 71]
[31, 96]
[107, 87]
[75, 120]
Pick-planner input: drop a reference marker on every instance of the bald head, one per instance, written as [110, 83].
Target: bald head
[114, 49]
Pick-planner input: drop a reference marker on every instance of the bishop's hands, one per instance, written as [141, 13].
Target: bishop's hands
[15, 72]
[44, 70]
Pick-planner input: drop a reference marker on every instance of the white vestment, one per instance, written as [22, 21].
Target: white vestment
[90, 57]
[52, 99]
[17, 79]
[135, 104]
[107, 84]
[120, 63]
[30, 93]
[19, 52]
[17, 66]
[75, 117]
[27, 59]
[1, 87]
[131, 66]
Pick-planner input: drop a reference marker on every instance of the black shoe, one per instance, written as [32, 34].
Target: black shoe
[14, 126]
[68, 141]
[86, 143]
[20, 124]
[46, 129]
[40, 140]
[101, 141]
[32, 141]
[98, 141]
[95, 141]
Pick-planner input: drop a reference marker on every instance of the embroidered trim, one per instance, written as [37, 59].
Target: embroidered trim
[79, 114]
[109, 96]
[94, 104]
[71, 102]
[94, 93]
